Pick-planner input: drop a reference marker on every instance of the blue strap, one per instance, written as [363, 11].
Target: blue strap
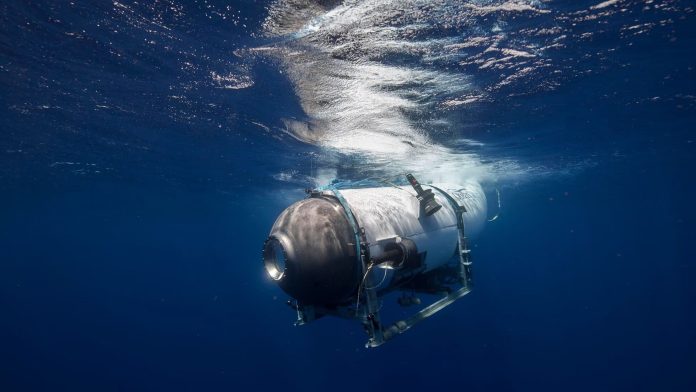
[457, 208]
[349, 214]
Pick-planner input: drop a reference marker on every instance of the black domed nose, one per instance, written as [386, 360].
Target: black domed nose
[311, 252]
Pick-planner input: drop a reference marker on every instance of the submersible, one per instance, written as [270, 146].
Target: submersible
[341, 250]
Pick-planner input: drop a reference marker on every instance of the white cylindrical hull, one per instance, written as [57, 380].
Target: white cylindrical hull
[389, 212]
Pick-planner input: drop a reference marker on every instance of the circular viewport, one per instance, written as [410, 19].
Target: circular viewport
[274, 259]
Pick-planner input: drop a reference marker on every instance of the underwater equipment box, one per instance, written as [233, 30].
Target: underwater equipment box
[347, 245]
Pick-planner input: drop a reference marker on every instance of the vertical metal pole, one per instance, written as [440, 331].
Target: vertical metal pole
[464, 252]
[370, 315]
[371, 319]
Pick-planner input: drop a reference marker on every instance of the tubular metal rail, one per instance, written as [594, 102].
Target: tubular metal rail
[463, 252]
[369, 313]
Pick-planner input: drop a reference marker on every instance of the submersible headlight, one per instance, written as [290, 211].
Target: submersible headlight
[342, 250]
[426, 198]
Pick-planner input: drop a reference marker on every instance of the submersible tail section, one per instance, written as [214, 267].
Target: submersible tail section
[341, 250]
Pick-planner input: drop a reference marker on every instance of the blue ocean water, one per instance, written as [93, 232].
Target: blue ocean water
[147, 147]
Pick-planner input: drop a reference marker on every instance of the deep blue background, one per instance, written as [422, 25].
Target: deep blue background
[142, 271]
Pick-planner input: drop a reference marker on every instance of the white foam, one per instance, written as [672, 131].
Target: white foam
[604, 4]
[359, 104]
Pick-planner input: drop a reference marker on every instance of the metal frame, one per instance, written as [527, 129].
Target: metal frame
[369, 313]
